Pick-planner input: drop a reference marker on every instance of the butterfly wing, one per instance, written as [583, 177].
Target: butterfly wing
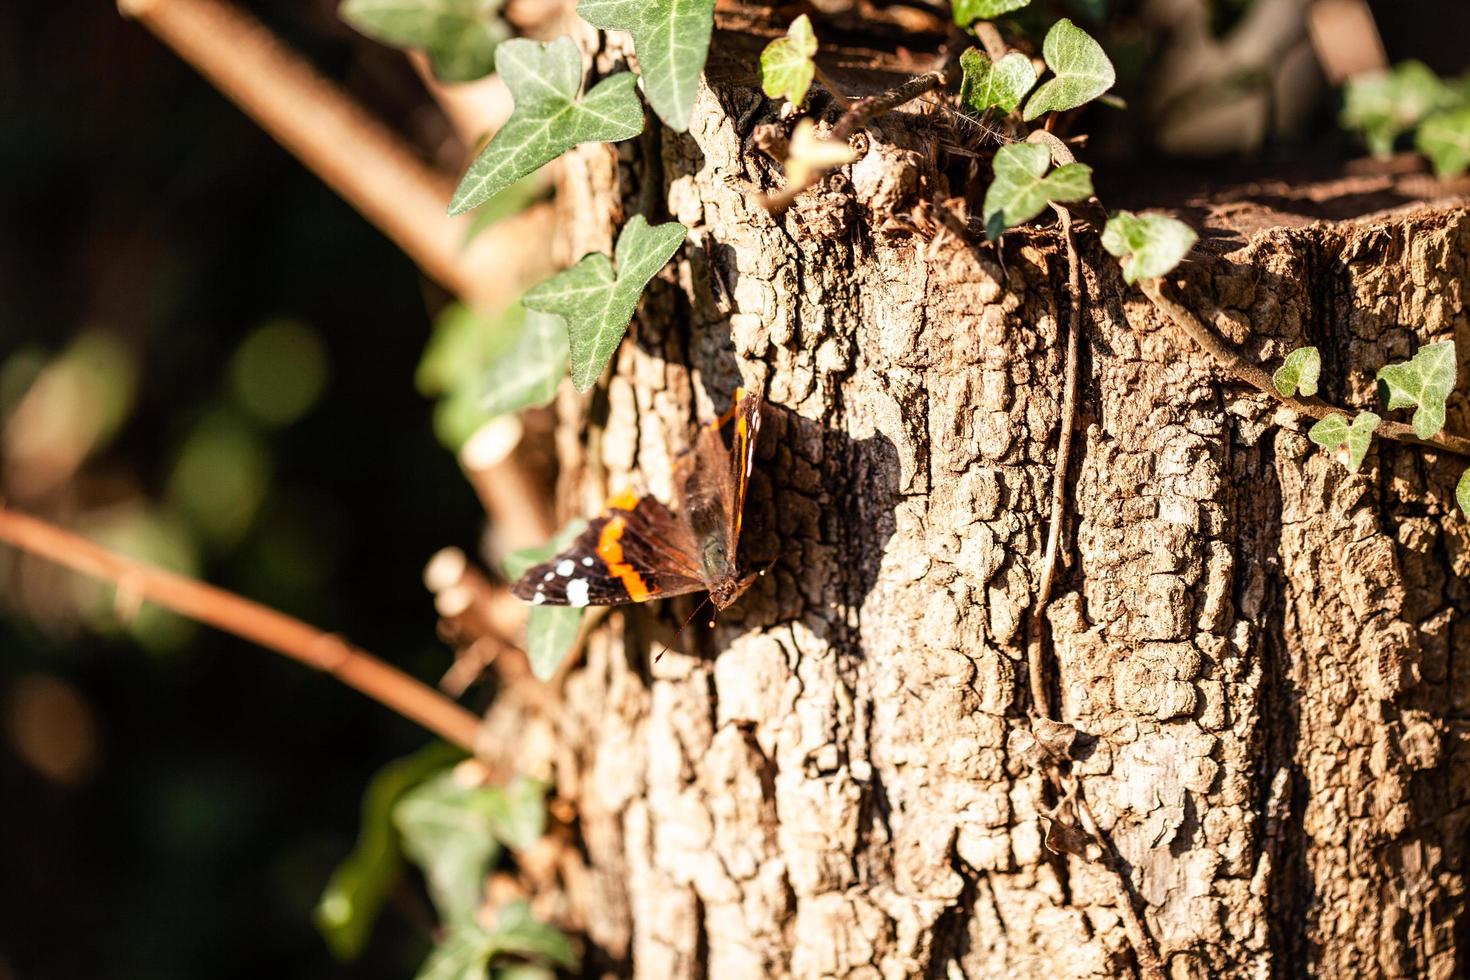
[626, 555]
[712, 478]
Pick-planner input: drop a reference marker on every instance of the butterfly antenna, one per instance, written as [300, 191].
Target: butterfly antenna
[680, 631]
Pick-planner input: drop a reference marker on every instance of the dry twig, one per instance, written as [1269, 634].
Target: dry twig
[249, 620]
[352, 152]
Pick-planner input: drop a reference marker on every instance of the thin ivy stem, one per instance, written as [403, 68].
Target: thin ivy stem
[1256, 377]
[1040, 697]
[832, 88]
[249, 620]
[1150, 966]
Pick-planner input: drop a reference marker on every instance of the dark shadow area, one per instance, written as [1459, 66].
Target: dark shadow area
[223, 783]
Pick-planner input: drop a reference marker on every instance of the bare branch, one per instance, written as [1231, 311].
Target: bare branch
[249, 620]
[351, 151]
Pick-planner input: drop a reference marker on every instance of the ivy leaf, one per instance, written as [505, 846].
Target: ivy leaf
[528, 374]
[517, 812]
[966, 12]
[671, 38]
[1022, 187]
[1445, 139]
[1385, 105]
[548, 119]
[450, 839]
[1300, 373]
[1149, 245]
[550, 630]
[459, 36]
[1000, 85]
[550, 633]
[463, 345]
[462, 954]
[1081, 68]
[1423, 382]
[787, 68]
[361, 883]
[1462, 493]
[1349, 443]
[597, 302]
[517, 931]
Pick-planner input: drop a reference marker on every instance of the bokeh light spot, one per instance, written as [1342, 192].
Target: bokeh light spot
[279, 371]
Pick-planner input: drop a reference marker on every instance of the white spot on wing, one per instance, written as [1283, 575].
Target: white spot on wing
[587, 560]
[538, 598]
[577, 592]
[548, 576]
[565, 567]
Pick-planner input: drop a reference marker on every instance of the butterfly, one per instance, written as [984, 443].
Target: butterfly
[640, 550]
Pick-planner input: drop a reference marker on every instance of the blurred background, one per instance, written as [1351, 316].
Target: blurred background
[208, 360]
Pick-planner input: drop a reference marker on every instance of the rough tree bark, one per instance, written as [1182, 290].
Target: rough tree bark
[1260, 649]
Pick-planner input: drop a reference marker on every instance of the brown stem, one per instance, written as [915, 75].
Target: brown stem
[1041, 702]
[1150, 967]
[1257, 378]
[868, 108]
[520, 509]
[989, 37]
[248, 620]
[352, 152]
[826, 82]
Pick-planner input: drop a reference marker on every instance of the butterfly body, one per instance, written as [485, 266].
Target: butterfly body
[640, 550]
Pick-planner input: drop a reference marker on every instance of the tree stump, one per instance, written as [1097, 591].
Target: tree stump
[1258, 648]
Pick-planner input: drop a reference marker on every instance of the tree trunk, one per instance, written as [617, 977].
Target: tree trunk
[1258, 647]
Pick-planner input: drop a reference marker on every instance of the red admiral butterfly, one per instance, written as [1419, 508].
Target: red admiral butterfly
[638, 550]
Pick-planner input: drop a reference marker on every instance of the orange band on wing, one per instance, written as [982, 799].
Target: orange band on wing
[625, 500]
[610, 550]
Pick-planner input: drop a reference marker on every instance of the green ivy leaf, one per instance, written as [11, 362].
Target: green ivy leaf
[1445, 139]
[358, 887]
[1462, 493]
[966, 12]
[518, 932]
[1022, 187]
[787, 68]
[1000, 85]
[462, 954]
[528, 374]
[446, 835]
[597, 302]
[1348, 442]
[1148, 245]
[550, 633]
[548, 119]
[461, 349]
[550, 630]
[1081, 68]
[459, 36]
[1385, 105]
[467, 948]
[1300, 373]
[671, 38]
[1424, 382]
[516, 811]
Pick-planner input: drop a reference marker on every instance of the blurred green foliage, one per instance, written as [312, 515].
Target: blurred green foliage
[1385, 106]
[350, 903]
